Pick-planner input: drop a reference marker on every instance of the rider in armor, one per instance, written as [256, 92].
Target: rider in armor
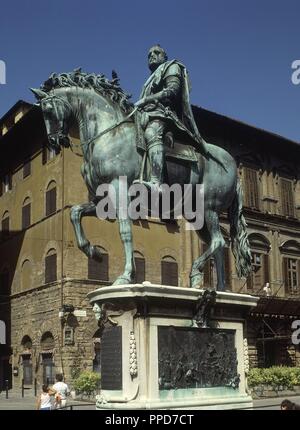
[163, 107]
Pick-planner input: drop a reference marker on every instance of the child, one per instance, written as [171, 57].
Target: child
[44, 402]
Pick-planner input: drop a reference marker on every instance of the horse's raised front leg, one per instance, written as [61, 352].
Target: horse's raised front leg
[212, 235]
[77, 213]
[125, 229]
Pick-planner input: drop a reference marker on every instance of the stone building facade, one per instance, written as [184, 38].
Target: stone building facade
[44, 278]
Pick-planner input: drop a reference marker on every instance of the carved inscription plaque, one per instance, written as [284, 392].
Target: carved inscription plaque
[111, 358]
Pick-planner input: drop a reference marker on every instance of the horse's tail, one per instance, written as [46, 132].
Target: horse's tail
[238, 232]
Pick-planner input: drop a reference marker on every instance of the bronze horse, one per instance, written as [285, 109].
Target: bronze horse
[108, 141]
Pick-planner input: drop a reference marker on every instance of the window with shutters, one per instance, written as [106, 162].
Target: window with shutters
[4, 283]
[169, 271]
[291, 274]
[51, 198]
[51, 266]
[26, 169]
[139, 267]
[99, 270]
[251, 188]
[287, 197]
[26, 213]
[5, 226]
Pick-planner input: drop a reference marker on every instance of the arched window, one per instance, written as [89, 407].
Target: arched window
[51, 198]
[51, 266]
[99, 270]
[4, 283]
[291, 266]
[5, 225]
[2, 333]
[26, 272]
[259, 276]
[169, 271]
[26, 213]
[26, 343]
[139, 267]
[47, 341]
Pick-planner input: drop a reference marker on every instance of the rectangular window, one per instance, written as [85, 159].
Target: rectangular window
[251, 189]
[27, 371]
[291, 275]
[287, 197]
[139, 270]
[51, 201]
[50, 268]
[98, 270]
[169, 273]
[48, 369]
[26, 169]
[26, 216]
[260, 271]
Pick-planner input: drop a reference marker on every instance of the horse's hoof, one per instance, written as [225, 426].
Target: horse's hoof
[122, 280]
[196, 280]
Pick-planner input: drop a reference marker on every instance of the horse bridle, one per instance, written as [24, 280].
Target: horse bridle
[50, 98]
[60, 134]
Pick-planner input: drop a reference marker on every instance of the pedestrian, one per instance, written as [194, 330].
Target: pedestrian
[62, 391]
[44, 401]
[287, 405]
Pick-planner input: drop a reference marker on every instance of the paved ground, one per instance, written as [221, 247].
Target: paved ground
[28, 402]
[16, 402]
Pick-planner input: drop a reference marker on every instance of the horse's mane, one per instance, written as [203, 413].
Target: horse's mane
[99, 83]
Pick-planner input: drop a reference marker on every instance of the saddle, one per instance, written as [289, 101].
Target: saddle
[174, 149]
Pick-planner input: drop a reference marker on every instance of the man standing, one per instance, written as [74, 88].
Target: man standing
[163, 107]
[62, 391]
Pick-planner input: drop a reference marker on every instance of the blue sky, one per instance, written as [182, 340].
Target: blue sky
[238, 52]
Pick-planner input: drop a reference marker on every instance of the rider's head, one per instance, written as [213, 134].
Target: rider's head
[156, 56]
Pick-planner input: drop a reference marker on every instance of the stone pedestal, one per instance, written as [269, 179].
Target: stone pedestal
[155, 354]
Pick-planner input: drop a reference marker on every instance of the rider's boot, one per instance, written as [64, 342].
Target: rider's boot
[156, 158]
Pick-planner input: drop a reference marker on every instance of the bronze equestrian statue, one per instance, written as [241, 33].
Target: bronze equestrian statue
[110, 145]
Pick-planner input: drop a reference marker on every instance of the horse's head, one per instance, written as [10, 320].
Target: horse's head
[56, 112]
